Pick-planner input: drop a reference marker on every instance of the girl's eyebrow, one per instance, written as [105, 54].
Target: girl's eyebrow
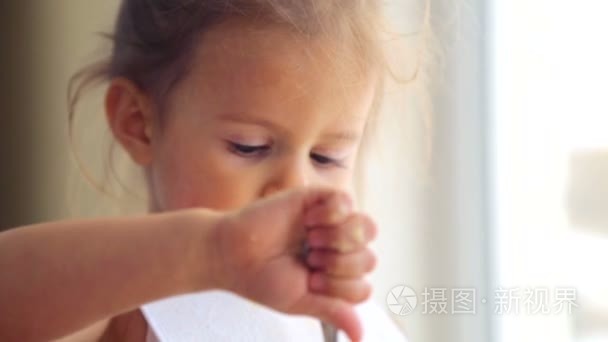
[343, 136]
[240, 117]
[250, 119]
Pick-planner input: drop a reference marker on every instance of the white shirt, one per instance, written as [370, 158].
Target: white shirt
[223, 316]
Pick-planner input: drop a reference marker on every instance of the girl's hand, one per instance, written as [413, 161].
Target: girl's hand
[262, 256]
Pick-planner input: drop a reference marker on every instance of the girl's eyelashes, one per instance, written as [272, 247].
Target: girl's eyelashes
[325, 161]
[255, 151]
[248, 151]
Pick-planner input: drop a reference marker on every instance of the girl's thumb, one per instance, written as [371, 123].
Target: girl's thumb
[338, 313]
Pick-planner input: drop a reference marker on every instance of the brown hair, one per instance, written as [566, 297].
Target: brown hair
[154, 40]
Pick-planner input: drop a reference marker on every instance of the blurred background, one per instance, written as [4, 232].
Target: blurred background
[511, 210]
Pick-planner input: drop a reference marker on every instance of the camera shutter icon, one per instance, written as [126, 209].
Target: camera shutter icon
[401, 300]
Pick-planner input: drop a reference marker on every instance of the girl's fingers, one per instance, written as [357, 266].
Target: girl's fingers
[351, 290]
[352, 235]
[336, 264]
[328, 211]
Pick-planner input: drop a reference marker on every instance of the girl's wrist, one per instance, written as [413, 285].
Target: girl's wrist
[203, 257]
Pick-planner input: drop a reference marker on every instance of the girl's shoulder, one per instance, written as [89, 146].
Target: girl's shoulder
[129, 326]
[94, 332]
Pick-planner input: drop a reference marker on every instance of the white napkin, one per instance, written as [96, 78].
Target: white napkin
[223, 316]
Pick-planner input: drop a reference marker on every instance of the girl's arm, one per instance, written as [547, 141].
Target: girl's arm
[56, 278]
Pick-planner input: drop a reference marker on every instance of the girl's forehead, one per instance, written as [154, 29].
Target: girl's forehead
[240, 62]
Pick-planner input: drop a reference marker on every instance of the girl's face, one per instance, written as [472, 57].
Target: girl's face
[259, 111]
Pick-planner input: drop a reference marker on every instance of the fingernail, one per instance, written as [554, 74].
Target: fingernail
[339, 213]
[344, 246]
[358, 234]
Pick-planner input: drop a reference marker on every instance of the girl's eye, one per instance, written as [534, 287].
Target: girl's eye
[248, 150]
[325, 161]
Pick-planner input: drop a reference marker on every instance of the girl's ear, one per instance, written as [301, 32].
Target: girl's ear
[130, 117]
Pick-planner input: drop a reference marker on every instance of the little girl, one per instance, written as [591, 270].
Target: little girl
[247, 117]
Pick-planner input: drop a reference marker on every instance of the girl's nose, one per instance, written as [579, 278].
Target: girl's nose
[289, 176]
